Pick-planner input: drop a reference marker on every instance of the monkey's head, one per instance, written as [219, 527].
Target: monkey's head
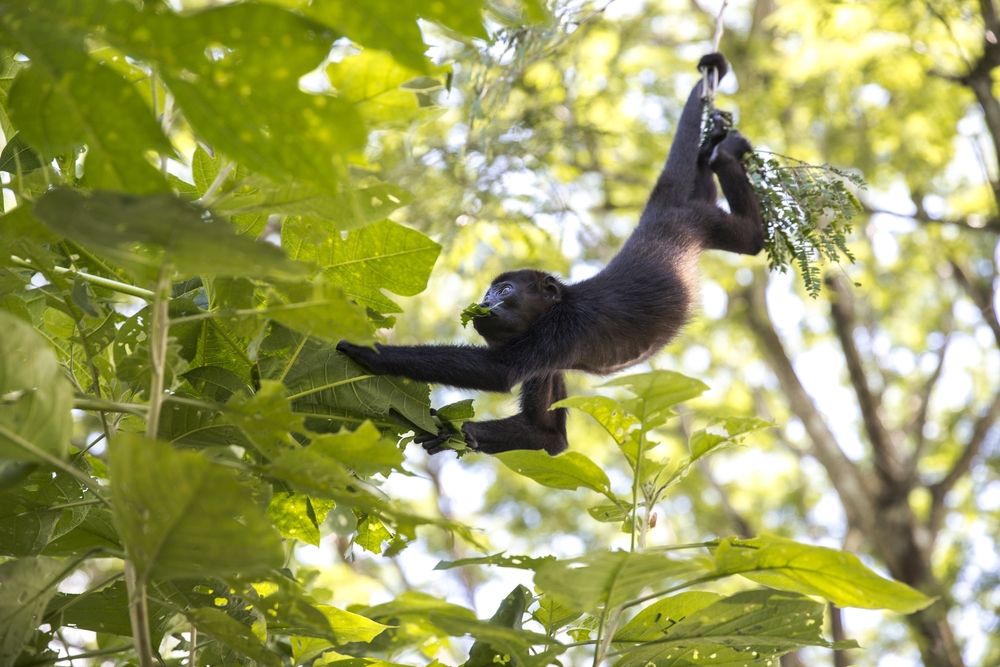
[516, 299]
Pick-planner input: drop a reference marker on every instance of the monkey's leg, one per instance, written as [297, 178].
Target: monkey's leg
[536, 427]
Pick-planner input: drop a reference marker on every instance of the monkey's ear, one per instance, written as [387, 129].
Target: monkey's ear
[552, 289]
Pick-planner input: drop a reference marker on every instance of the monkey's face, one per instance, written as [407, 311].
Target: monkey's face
[516, 300]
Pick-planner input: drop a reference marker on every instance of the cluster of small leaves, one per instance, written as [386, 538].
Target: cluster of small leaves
[807, 211]
[474, 311]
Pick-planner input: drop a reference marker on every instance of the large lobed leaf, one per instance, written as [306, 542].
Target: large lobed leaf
[167, 229]
[393, 26]
[379, 256]
[65, 100]
[180, 515]
[328, 386]
[220, 66]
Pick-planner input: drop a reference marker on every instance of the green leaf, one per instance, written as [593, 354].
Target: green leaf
[656, 393]
[393, 27]
[23, 235]
[26, 585]
[570, 470]
[609, 512]
[35, 397]
[723, 431]
[232, 633]
[552, 615]
[17, 155]
[380, 256]
[653, 621]
[458, 411]
[509, 614]
[372, 80]
[106, 611]
[416, 604]
[612, 416]
[318, 308]
[96, 531]
[315, 473]
[179, 515]
[28, 521]
[266, 418]
[455, 621]
[167, 227]
[610, 578]
[371, 534]
[473, 311]
[349, 627]
[749, 628]
[65, 100]
[292, 515]
[499, 559]
[327, 385]
[837, 576]
[240, 100]
[321, 212]
[363, 450]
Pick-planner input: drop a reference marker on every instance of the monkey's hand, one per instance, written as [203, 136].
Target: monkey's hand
[719, 125]
[365, 356]
[734, 146]
[715, 61]
[447, 438]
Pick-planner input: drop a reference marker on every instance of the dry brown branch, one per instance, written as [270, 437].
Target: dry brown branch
[885, 452]
[855, 491]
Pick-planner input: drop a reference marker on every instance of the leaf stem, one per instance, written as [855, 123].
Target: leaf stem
[75, 656]
[160, 328]
[138, 605]
[91, 403]
[635, 487]
[113, 285]
[138, 613]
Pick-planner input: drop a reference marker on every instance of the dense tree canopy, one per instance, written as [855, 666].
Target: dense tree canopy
[200, 198]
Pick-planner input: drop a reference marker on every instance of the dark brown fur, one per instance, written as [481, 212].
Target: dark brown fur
[620, 317]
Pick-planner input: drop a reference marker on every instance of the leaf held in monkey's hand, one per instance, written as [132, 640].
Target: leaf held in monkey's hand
[807, 211]
[474, 311]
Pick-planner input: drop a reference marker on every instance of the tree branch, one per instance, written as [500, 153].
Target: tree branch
[854, 490]
[980, 432]
[919, 421]
[884, 450]
[981, 295]
[985, 224]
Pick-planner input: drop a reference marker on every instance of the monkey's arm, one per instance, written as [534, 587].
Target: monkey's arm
[678, 182]
[742, 230]
[456, 365]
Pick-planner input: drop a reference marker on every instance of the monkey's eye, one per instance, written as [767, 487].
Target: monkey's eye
[505, 290]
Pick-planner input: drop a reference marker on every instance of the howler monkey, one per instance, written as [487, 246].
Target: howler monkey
[540, 326]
